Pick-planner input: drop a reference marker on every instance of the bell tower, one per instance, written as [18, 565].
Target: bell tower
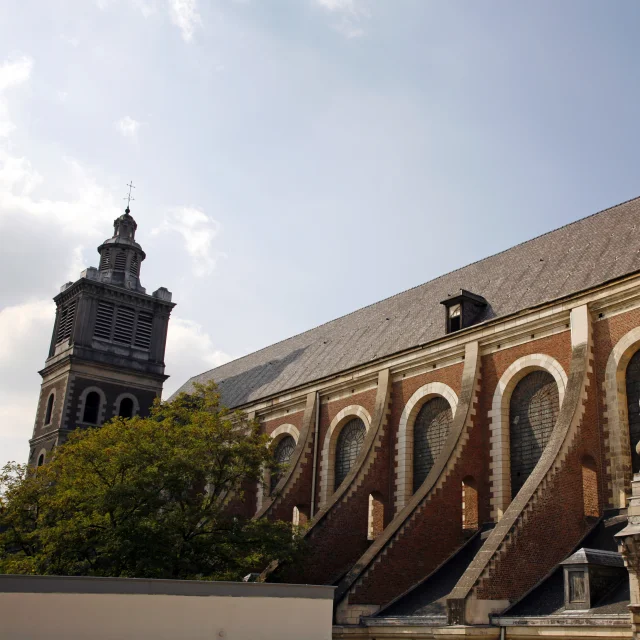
[106, 356]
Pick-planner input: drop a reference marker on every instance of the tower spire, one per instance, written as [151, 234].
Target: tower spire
[128, 197]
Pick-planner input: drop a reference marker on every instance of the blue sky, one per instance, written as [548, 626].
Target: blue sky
[294, 159]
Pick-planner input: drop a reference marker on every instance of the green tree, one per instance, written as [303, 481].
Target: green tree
[157, 497]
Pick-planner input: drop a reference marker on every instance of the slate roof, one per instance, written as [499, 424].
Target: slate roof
[578, 256]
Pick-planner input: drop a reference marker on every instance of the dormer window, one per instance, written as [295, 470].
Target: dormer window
[463, 310]
[455, 318]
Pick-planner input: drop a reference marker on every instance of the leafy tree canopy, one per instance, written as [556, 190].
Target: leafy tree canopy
[156, 497]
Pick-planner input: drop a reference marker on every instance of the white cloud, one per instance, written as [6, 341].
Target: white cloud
[25, 331]
[189, 350]
[348, 29]
[128, 127]
[77, 263]
[351, 14]
[184, 14]
[19, 324]
[339, 5]
[198, 231]
[62, 96]
[19, 181]
[14, 71]
[147, 7]
[71, 41]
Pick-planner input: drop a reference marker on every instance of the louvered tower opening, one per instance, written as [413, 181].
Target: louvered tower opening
[143, 331]
[120, 325]
[105, 260]
[123, 332]
[67, 317]
[121, 261]
[104, 320]
[135, 265]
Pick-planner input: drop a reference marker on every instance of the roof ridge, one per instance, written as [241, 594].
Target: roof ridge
[443, 275]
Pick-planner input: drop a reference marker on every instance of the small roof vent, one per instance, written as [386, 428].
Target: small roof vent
[464, 309]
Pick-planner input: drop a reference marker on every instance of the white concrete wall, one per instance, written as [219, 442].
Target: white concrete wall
[98, 616]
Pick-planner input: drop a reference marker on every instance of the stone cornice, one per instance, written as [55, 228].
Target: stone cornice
[93, 287]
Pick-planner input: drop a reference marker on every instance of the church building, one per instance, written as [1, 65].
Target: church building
[461, 454]
[106, 356]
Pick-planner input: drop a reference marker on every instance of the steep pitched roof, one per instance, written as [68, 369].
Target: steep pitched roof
[580, 255]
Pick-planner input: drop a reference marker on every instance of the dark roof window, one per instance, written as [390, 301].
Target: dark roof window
[463, 310]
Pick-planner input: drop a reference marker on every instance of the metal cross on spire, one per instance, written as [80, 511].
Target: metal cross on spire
[128, 198]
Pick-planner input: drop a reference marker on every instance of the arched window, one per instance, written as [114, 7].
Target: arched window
[470, 519]
[376, 516]
[533, 412]
[126, 408]
[41, 459]
[282, 456]
[348, 447]
[590, 487]
[633, 406]
[430, 431]
[49, 411]
[91, 408]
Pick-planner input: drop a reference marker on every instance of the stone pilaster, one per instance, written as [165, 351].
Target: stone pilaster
[629, 545]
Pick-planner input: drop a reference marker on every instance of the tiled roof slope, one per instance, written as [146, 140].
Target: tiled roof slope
[577, 256]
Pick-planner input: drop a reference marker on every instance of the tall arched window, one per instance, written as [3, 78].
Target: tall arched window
[430, 431]
[282, 456]
[49, 411]
[633, 406]
[91, 408]
[126, 408]
[533, 412]
[41, 459]
[348, 447]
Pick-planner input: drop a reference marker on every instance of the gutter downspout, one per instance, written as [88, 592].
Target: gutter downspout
[315, 457]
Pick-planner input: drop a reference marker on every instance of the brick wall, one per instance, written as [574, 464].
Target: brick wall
[555, 523]
[402, 391]
[328, 411]
[578, 492]
[431, 535]
[299, 493]
[495, 364]
[606, 333]
[295, 419]
[340, 538]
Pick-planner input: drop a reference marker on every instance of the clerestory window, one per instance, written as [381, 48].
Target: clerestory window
[348, 447]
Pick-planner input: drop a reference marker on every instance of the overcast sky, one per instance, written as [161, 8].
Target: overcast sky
[294, 159]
